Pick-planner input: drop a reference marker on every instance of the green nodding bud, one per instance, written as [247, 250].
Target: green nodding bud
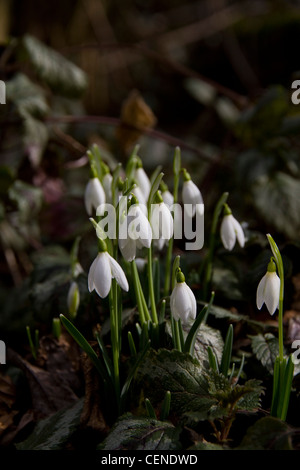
[158, 198]
[139, 163]
[101, 245]
[271, 266]
[133, 200]
[227, 210]
[180, 276]
[163, 187]
[120, 184]
[186, 175]
[104, 168]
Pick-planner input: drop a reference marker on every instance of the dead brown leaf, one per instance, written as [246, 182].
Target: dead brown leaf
[136, 117]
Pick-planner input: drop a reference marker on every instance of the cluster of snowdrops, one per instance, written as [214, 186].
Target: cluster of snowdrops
[135, 215]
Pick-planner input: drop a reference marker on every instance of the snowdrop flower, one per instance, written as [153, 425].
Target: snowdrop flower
[182, 301]
[167, 196]
[73, 299]
[231, 230]
[103, 269]
[135, 231]
[94, 195]
[191, 196]
[268, 289]
[141, 197]
[142, 181]
[161, 220]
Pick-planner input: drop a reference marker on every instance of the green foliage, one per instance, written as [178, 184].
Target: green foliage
[177, 372]
[265, 348]
[52, 68]
[54, 433]
[141, 433]
[206, 337]
[262, 120]
[267, 434]
[231, 396]
[277, 200]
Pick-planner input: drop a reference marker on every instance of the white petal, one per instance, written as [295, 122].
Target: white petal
[260, 293]
[193, 302]
[182, 303]
[272, 289]
[91, 275]
[166, 231]
[102, 275]
[141, 197]
[239, 232]
[168, 198]
[143, 181]
[228, 235]
[94, 195]
[128, 249]
[118, 273]
[191, 195]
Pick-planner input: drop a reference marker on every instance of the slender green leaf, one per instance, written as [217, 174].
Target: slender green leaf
[150, 410]
[288, 379]
[213, 361]
[107, 360]
[82, 342]
[165, 407]
[189, 343]
[131, 343]
[275, 392]
[227, 352]
[133, 370]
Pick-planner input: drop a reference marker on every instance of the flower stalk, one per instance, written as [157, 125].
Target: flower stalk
[176, 172]
[283, 367]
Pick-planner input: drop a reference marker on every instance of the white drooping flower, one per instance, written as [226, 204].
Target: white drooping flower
[94, 195]
[143, 182]
[268, 289]
[191, 196]
[73, 299]
[231, 231]
[103, 269]
[135, 232]
[161, 221]
[182, 301]
[168, 198]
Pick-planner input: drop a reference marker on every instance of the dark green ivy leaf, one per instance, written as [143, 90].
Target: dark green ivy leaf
[54, 432]
[267, 433]
[52, 68]
[141, 433]
[177, 372]
[244, 397]
[277, 200]
[265, 348]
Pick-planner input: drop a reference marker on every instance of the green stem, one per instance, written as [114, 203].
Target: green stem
[176, 169]
[151, 287]
[114, 328]
[211, 248]
[137, 290]
[279, 264]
